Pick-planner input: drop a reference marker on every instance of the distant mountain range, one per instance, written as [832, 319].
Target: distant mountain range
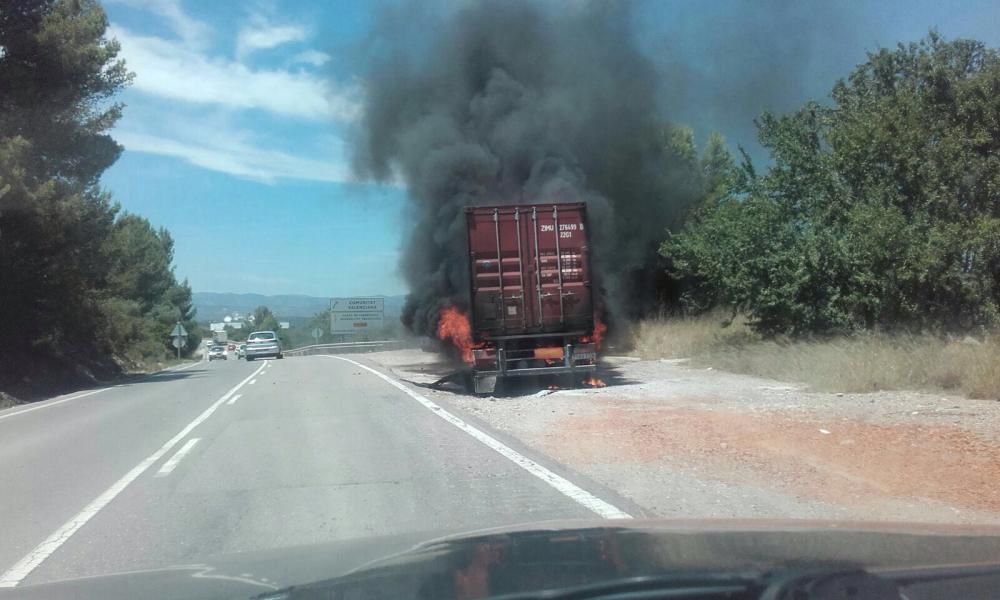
[213, 306]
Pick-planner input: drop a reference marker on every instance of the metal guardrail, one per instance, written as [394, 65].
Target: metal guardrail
[346, 347]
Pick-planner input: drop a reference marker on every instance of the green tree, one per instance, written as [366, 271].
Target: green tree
[139, 260]
[260, 315]
[877, 211]
[57, 73]
[140, 286]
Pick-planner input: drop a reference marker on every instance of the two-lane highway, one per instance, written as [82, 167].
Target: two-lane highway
[232, 456]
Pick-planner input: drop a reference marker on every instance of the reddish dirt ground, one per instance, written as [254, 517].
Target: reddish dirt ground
[839, 460]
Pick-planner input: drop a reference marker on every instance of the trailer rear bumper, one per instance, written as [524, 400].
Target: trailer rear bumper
[531, 371]
[485, 382]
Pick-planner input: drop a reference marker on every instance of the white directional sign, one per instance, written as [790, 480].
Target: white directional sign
[354, 315]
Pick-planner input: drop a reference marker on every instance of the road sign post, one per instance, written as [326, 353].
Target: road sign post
[317, 334]
[180, 336]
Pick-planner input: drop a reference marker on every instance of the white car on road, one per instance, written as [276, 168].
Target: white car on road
[263, 344]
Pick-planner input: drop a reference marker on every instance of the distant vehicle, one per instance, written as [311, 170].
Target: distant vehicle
[263, 344]
[231, 347]
[241, 351]
[217, 352]
[532, 306]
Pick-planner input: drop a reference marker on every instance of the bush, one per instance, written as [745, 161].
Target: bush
[878, 212]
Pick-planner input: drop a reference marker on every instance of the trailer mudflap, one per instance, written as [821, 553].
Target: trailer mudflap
[484, 383]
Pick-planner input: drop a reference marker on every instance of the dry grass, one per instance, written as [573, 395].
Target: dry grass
[689, 337]
[861, 363]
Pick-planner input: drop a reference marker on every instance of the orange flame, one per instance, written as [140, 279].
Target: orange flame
[599, 331]
[595, 382]
[454, 326]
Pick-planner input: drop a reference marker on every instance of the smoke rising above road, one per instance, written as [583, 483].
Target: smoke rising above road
[514, 103]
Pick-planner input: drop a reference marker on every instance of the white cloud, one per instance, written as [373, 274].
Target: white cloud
[223, 151]
[311, 57]
[261, 35]
[192, 105]
[173, 70]
[188, 29]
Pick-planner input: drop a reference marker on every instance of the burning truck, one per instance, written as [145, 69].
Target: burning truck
[530, 296]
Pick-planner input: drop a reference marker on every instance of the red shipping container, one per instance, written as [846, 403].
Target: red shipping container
[530, 290]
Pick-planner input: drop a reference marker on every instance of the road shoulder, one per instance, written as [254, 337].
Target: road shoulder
[686, 442]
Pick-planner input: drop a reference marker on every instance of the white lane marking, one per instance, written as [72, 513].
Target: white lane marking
[83, 395]
[184, 367]
[48, 404]
[42, 551]
[234, 399]
[254, 380]
[561, 484]
[174, 460]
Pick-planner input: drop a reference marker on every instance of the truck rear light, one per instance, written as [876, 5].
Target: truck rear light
[551, 353]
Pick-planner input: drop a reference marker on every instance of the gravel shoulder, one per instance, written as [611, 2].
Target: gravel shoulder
[687, 442]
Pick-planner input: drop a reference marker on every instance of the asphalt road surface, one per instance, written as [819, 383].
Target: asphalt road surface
[229, 456]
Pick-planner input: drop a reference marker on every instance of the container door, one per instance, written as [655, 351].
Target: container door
[560, 296]
[498, 276]
[513, 317]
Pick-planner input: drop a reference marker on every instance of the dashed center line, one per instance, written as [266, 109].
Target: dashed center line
[253, 381]
[234, 399]
[174, 460]
[16, 574]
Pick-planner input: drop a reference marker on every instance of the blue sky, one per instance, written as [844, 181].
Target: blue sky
[236, 128]
[234, 141]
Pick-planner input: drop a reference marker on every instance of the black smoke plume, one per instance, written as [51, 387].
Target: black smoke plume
[511, 102]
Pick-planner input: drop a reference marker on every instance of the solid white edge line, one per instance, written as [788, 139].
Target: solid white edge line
[184, 367]
[561, 484]
[234, 399]
[175, 460]
[33, 559]
[48, 404]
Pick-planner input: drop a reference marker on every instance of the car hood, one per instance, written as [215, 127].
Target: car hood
[538, 556]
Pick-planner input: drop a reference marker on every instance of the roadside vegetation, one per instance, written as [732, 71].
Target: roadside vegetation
[864, 362]
[868, 246]
[88, 291]
[879, 211]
